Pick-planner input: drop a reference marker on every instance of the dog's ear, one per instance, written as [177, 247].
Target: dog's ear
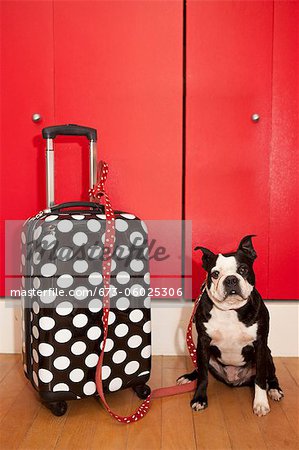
[246, 247]
[207, 257]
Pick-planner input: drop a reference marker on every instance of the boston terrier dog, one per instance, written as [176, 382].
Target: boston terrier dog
[232, 323]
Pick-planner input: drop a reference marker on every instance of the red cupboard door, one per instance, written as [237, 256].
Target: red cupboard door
[27, 88]
[229, 57]
[284, 215]
[118, 67]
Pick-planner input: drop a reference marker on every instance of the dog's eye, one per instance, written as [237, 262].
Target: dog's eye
[215, 274]
[243, 270]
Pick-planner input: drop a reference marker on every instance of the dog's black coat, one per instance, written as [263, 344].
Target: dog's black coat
[255, 363]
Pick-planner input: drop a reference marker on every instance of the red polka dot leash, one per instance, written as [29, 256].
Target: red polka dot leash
[97, 193]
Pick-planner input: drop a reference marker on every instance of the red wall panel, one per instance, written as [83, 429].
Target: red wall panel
[122, 73]
[229, 66]
[26, 87]
[117, 66]
[284, 214]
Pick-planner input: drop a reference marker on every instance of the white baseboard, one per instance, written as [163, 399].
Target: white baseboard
[10, 327]
[169, 325]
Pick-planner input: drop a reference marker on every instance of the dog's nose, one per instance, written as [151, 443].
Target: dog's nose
[231, 281]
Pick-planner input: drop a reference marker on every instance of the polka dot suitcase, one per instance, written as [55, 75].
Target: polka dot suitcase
[62, 258]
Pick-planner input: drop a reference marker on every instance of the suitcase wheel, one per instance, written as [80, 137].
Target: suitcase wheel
[57, 408]
[142, 390]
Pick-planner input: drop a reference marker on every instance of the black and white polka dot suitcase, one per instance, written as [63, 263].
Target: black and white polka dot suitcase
[62, 259]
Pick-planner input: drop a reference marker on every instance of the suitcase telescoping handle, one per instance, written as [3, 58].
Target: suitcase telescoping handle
[50, 133]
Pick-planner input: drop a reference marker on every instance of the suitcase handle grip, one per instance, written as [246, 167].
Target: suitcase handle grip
[70, 130]
[77, 204]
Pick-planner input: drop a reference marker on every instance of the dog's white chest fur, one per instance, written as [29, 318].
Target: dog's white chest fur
[229, 335]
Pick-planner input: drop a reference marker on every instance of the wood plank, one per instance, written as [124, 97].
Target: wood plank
[95, 425]
[292, 365]
[79, 425]
[177, 416]
[88, 422]
[147, 433]
[116, 433]
[7, 362]
[236, 405]
[19, 418]
[189, 364]
[174, 362]
[276, 428]
[228, 422]
[44, 431]
[11, 387]
[218, 439]
[290, 403]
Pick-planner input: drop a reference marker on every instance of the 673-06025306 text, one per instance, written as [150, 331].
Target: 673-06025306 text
[135, 291]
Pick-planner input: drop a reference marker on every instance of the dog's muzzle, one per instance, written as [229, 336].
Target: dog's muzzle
[232, 285]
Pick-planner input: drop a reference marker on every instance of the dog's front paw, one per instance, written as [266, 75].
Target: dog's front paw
[275, 394]
[261, 408]
[260, 403]
[187, 377]
[199, 404]
[183, 380]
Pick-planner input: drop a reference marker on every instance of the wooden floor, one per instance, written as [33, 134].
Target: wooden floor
[228, 423]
